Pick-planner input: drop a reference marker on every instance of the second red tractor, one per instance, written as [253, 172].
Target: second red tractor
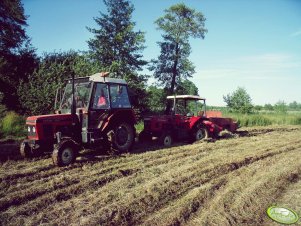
[186, 120]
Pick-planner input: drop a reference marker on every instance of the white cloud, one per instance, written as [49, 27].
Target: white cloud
[297, 33]
[259, 67]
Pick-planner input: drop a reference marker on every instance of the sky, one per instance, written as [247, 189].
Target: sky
[251, 44]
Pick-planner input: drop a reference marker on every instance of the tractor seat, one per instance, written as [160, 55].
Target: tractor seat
[200, 113]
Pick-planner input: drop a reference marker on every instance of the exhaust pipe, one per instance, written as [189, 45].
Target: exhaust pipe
[73, 105]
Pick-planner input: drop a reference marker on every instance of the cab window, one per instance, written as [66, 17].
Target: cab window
[119, 96]
[100, 96]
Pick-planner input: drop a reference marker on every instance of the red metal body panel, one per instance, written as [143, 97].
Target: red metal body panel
[41, 121]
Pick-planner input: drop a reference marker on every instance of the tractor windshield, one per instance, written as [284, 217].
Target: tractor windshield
[81, 95]
[188, 107]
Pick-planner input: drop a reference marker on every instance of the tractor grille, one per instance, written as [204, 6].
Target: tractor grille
[31, 130]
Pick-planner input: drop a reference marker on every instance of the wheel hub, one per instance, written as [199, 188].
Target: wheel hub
[67, 156]
[199, 134]
[121, 135]
[167, 141]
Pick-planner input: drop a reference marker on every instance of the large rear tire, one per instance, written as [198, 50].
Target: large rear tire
[122, 137]
[65, 153]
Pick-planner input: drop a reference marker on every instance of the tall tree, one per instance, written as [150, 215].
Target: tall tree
[178, 24]
[17, 57]
[117, 46]
[12, 23]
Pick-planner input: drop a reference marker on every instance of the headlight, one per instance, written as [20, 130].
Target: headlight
[28, 129]
[33, 129]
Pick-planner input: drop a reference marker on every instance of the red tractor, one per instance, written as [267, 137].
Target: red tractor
[186, 120]
[94, 111]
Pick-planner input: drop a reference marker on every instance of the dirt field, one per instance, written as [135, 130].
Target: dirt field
[227, 182]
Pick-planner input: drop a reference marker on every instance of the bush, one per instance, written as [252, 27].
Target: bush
[239, 101]
[13, 125]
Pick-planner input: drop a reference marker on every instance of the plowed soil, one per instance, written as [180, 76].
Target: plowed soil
[225, 182]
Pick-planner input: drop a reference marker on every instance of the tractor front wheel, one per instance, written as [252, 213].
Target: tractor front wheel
[25, 150]
[122, 137]
[64, 153]
[166, 139]
[200, 133]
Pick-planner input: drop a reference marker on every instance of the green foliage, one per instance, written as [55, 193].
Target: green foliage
[294, 106]
[156, 99]
[168, 72]
[2, 107]
[186, 87]
[265, 119]
[268, 107]
[13, 125]
[280, 107]
[12, 23]
[115, 44]
[178, 24]
[239, 101]
[17, 57]
[38, 94]
[118, 47]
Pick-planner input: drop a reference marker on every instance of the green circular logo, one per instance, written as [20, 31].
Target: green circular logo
[282, 215]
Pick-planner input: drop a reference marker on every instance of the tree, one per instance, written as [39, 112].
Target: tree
[17, 57]
[156, 99]
[12, 23]
[186, 87]
[163, 67]
[239, 101]
[269, 107]
[178, 24]
[280, 107]
[118, 47]
[38, 94]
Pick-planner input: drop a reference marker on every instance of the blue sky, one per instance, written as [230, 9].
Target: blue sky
[252, 44]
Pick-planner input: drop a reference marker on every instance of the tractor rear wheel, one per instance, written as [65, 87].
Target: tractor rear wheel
[122, 137]
[166, 139]
[64, 153]
[200, 133]
[25, 150]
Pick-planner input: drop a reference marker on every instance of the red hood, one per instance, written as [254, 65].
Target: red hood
[49, 118]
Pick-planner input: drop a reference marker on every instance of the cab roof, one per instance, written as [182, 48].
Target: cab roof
[99, 78]
[186, 97]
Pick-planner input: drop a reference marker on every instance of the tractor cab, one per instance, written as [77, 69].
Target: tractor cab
[92, 112]
[187, 105]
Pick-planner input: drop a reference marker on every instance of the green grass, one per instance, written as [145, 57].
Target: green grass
[265, 119]
[12, 126]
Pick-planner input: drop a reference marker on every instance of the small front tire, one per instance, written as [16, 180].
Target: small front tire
[200, 134]
[166, 139]
[25, 150]
[65, 153]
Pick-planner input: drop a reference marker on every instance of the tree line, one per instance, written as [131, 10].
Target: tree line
[28, 82]
[240, 101]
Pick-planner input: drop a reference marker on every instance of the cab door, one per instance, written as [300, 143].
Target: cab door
[99, 106]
